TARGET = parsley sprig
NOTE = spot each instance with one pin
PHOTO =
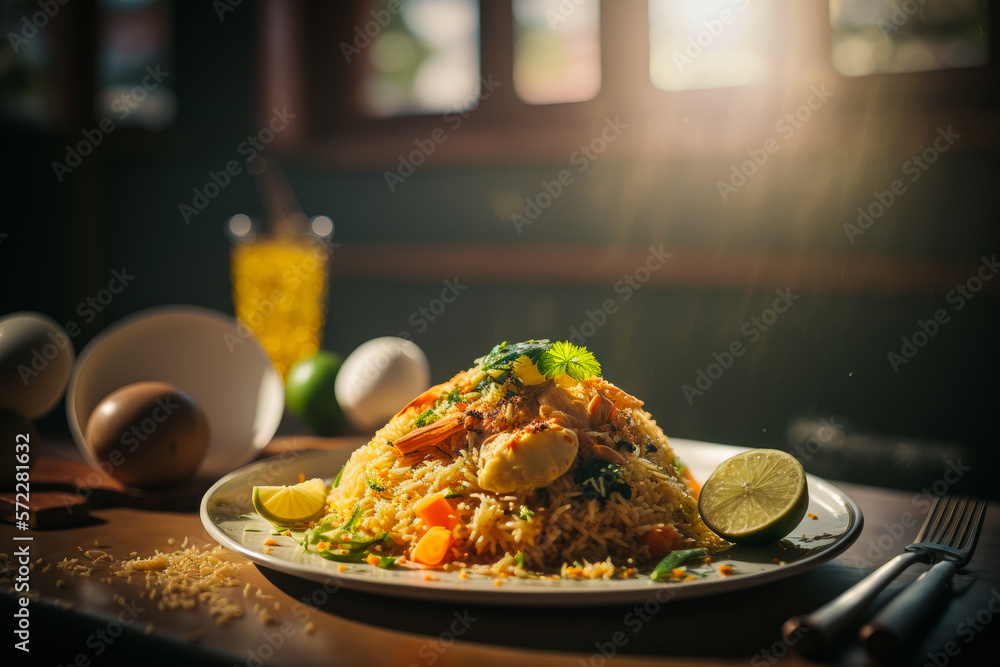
(564, 358)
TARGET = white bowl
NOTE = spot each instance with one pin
(205, 353)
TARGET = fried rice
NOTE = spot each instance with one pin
(541, 474)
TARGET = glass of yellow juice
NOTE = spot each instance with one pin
(280, 291)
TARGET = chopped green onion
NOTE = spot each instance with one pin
(674, 559)
(680, 466)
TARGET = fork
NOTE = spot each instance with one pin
(951, 544)
(814, 633)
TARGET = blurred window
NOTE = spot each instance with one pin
(709, 43)
(379, 73)
(892, 36)
(25, 83)
(424, 58)
(557, 50)
(135, 83)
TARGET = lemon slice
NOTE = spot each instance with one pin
(756, 497)
(527, 371)
(290, 505)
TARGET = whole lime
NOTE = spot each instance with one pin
(309, 392)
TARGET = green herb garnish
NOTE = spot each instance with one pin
(343, 544)
(350, 551)
(502, 357)
(674, 559)
(564, 358)
(354, 520)
(680, 466)
(598, 479)
(525, 514)
(426, 417)
(551, 359)
(373, 484)
(340, 474)
(435, 412)
(519, 559)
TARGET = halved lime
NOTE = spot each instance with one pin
(756, 497)
(291, 505)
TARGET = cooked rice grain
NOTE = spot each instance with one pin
(566, 528)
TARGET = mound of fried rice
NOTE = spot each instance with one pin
(593, 520)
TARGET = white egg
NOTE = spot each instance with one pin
(36, 357)
(378, 379)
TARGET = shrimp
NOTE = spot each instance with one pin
(431, 396)
(440, 440)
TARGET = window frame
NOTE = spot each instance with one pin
(303, 67)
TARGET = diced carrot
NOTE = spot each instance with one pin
(341, 568)
(322, 546)
(435, 510)
(302, 477)
(433, 546)
(267, 551)
(373, 560)
(270, 543)
(661, 540)
(725, 570)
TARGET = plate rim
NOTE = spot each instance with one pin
(540, 596)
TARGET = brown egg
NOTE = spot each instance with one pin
(19, 446)
(149, 433)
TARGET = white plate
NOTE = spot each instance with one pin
(208, 354)
(227, 513)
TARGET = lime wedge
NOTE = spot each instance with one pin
(756, 497)
(290, 505)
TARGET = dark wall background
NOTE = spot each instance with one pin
(824, 359)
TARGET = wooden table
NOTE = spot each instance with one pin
(77, 620)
